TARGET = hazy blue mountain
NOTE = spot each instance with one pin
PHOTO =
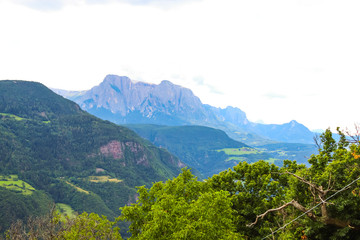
(123, 101)
(292, 132)
(288, 132)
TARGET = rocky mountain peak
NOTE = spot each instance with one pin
(121, 100)
(125, 98)
(166, 82)
(116, 82)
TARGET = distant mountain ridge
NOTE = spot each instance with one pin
(123, 101)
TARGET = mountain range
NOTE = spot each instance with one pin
(123, 101)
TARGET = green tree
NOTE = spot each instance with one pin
(51, 227)
(254, 201)
(90, 226)
(326, 193)
(253, 188)
(181, 208)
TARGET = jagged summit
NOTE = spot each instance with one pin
(122, 100)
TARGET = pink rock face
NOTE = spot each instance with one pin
(114, 149)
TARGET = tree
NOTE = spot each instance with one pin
(252, 189)
(327, 193)
(181, 208)
(84, 226)
(90, 226)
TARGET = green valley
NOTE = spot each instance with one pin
(205, 149)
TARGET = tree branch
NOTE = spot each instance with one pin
(293, 202)
(319, 189)
(317, 141)
(324, 218)
(355, 137)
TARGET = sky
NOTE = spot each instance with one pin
(277, 60)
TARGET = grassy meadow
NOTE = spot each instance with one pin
(12, 183)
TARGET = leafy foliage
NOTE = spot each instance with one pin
(267, 197)
(253, 201)
(182, 208)
(91, 226)
(84, 226)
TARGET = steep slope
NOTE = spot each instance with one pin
(123, 101)
(199, 147)
(76, 158)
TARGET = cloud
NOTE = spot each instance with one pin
(158, 3)
(55, 5)
(201, 82)
(198, 80)
(272, 95)
(43, 5)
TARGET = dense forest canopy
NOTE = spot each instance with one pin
(258, 200)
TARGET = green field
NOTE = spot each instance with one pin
(65, 211)
(103, 179)
(17, 118)
(77, 188)
(12, 116)
(246, 154)
(12, 183)
(238, 151)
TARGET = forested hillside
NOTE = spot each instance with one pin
(69, 156)
(205, 149)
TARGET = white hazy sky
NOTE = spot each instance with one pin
(276, 60)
